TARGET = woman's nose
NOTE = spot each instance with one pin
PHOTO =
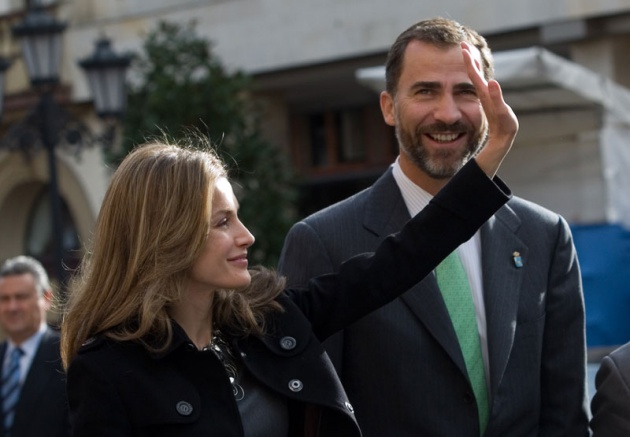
(245, 238)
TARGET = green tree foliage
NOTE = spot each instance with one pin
(178, 85)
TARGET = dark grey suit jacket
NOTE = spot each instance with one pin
(611, 403)
(42, 410)
(401, 365)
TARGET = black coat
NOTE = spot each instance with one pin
(119, 389)
(42, 409)
(611, 402)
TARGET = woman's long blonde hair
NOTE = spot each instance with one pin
(151, 227)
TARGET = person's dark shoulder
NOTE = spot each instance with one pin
(103, 350)
(621, 358)
(529, 210)
(52, 333)
(353, 208)
(539, 227)
(342, 210)
(50, 343)
(531, 216)
(92, 345)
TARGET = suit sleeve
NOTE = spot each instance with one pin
(303, 256)
(368, 281)
(611, 403)
(564, 400)
(96, 409)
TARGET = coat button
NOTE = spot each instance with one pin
(349, 406)
(287, 343)
(295, 385)
(184, 408)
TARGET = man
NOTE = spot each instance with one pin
(406, 367)
(33, 392)
(611, 402)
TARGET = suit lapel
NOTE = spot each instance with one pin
(387, 213)
(502, 280)
(38, 375)
(426, 302)
(3, 350)
(385, 209)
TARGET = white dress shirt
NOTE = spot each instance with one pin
(469, 252)
(29, 347)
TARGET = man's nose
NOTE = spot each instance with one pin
(11, 304)
(447, 110)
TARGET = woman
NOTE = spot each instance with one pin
(176, 341)
(167, 334)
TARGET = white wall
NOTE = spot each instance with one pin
(257, 35)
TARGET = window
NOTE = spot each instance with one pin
(339, 152)
(351, 139)
(336, 137)
(39, 235)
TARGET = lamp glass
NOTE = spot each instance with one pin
(108, 89)
(42, 54)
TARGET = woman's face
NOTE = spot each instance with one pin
(222, 263)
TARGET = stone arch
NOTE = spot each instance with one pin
(21, 181)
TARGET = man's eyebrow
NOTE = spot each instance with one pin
(426, 85)
(465, 86)
(434, 85)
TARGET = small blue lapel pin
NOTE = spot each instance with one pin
(518, 261)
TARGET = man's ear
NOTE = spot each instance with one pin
(48, 299)
(387, 108)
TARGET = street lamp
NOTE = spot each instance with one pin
(4, 65)
(49, 125)
(40, 37)
(106, 74)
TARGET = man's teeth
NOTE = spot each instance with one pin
(444, 138)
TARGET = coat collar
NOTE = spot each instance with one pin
(180, 340)
(289, 332)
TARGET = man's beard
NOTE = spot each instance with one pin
(442, 164)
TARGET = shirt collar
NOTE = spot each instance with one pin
(415, 197)
(30, 345)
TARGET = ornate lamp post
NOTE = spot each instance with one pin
(4, 64)
(49, 125)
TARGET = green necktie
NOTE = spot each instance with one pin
(453, 283)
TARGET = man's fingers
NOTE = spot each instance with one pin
(506, 120)
(473, 66)
(502, 122)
